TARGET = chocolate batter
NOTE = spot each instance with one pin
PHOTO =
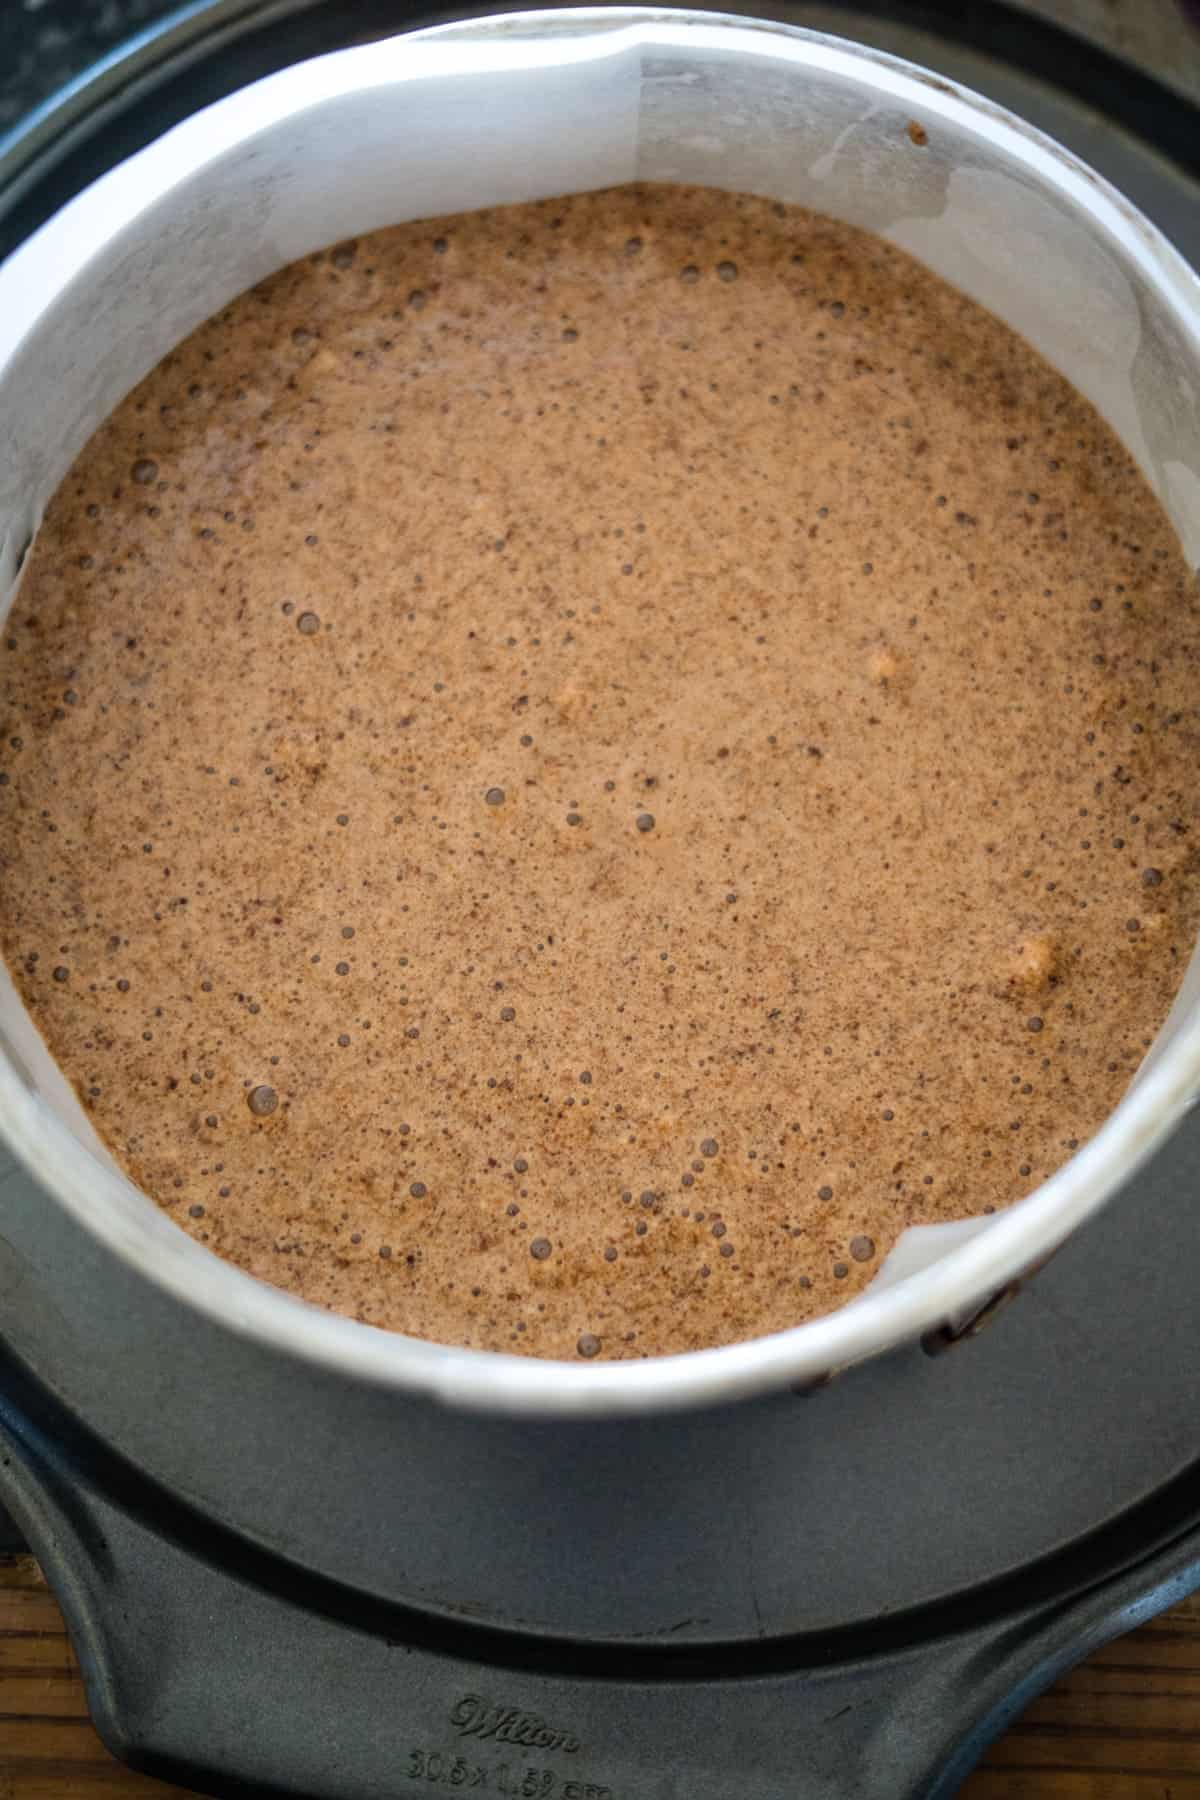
(568, 772)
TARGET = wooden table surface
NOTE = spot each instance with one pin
(1123, 1726)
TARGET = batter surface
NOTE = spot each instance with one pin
(568, 772)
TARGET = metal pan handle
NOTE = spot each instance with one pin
(214, 1667)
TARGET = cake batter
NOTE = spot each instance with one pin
(568, 772)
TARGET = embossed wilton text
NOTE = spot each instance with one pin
(473, 1717)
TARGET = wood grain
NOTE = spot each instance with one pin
(1125, 1725)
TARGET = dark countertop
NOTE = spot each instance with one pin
(44, 43)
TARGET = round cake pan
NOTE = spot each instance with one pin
(514, 108)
